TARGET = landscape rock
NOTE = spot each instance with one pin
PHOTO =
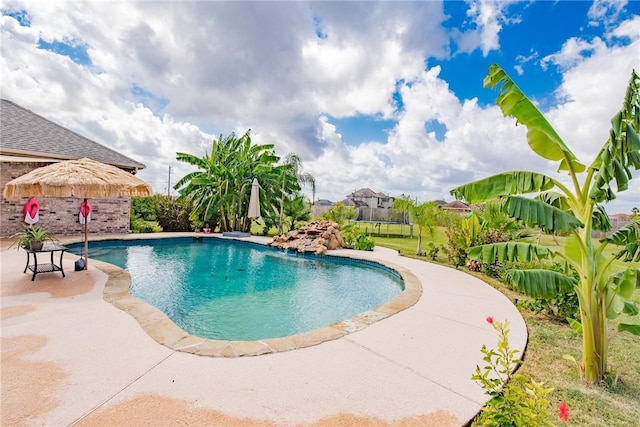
(317, 237)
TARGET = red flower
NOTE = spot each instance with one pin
(564, 411)
(490, 320)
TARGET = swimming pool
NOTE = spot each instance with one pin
(230, 290)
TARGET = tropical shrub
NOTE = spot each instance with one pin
(341, 214)
(139, 225)
(353, 237)
(359, 240)
(219, 190)
(432, 250)
(142, 207)
(516, 400)
(575, 209)
(461, 235)
(172, 214)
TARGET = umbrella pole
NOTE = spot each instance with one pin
(86, 242)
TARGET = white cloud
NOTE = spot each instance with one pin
(206, 68)
(606, 12)
(487, 19)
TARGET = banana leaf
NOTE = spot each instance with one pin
(621, 152)
(629, 237)
(541, 283)
(509, 251)
(534, 212)
(541, 136)
(503, 184)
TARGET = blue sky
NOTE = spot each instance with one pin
(385, 95)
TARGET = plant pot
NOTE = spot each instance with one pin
(35, 245)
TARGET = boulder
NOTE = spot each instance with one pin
(317, 237)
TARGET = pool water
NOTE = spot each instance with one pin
(230, 290)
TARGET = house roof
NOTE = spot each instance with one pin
(323, 202)
(27, 136)
(456, 204)
(367, 193)
(354, 202)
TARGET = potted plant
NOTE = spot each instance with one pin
(197, 225)
(33, 237)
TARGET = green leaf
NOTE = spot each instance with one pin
(630, 308)
(626, 282)
(541, 283)
(503, 184)
(534, 212)
(555, 199)
(629, 237)
(634, 329)
(575, 325)
(621, 152)
(541, 136)
(615, 304)
(509, 251)
(599, 219)
(570, 357)
(572, 248)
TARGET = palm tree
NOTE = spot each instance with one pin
(603, 295)
(218, 188)
(292, 167)
(425, 215)
(297, 209)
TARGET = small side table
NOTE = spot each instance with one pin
(44, 268)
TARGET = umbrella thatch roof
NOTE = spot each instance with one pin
(83, 178)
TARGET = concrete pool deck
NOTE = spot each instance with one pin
(71, 358)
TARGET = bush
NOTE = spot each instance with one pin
(516, 399)
(171, 214)
(142, 208)
(432, 250)
(139, 225)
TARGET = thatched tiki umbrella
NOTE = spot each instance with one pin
(84, 179)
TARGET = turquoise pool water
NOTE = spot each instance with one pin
(230, 290)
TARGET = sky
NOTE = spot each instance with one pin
(384, 95)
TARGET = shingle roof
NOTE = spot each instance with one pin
(367, 193)
(27, 134)
(456, 204)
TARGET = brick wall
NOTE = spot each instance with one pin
(60, 214)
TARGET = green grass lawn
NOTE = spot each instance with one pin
(616, 403)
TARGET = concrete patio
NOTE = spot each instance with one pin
(71, 358)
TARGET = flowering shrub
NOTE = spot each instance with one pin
(563, 413)
(516, 399)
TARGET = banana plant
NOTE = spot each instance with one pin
(576, 209)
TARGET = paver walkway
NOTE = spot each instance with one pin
(70, 358)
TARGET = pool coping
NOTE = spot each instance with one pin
(163, 330)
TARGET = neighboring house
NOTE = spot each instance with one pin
(461, 208)
(321, 206)
(29, 141)
(370, 205)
